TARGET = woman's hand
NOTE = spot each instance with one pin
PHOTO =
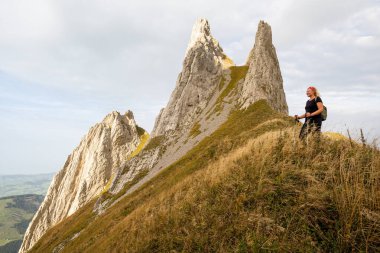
(307, 114)
(296, 116)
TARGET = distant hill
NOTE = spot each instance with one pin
(15, 215)
(20, 197)
(11, 185)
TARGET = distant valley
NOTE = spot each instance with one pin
(20, 197)
(15, 215)
(11, 185)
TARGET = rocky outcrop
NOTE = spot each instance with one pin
(86, 172)
(207, 89)
(263, 80)
(200, 75)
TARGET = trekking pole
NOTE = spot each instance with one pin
(296, 121)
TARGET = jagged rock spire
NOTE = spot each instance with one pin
(200, 75)
(85, 173)
(264, 80)
(108, 144)
(200, 33)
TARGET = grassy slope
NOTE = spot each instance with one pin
(242, 189)
(15, 214)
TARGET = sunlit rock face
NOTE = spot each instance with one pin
(86, 172)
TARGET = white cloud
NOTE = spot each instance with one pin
(65, 64)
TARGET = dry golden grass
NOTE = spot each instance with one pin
(251, 186)
(273, 193)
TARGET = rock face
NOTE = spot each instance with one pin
(198, 84)
(207, 89)
(86, 172)
(201, 74)
(264, 80)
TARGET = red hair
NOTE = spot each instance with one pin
(314, 90)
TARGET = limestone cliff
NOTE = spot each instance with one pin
(207, 89)
(86, 172)
(200, 75)
(205, 70)
(264, 80)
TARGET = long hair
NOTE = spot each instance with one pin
(315, 90)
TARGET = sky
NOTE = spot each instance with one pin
(66, 64)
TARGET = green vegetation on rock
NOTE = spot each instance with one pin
(237, 73)
(195, 130)
(154, 142)
(140, 131)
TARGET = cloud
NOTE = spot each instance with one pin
(65, 64)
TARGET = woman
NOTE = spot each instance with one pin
(313, 118)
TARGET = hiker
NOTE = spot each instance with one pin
(313, 116)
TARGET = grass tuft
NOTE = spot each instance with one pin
(195, 130)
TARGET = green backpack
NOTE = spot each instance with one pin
(324, 112)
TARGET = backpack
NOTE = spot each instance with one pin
(324, 112)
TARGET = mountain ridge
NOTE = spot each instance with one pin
(250, 186)
(86, 171)
(207, 90)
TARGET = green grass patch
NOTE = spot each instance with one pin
(155, 142)
(195, 130)
(237, 73)
(15, 215)
(140, 131)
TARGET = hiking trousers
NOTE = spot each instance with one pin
(311, 125)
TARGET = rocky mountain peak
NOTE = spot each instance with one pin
(201, 33)
(201, 37)
(208, 88)
(86, 172)
(263, 39)
(201, 29)
(263, 79)
(116, 117)
(201, 73)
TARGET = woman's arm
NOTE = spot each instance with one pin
(320, 109)
(300, 116)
